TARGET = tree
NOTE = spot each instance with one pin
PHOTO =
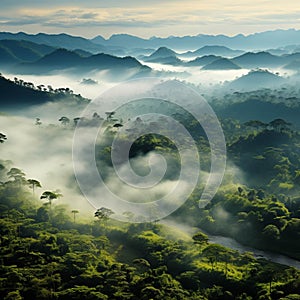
(3, 138)
(256, 124)
(74, 212)
(279, 125)
(103, 213)
(33, 184)
(17, 175)
(50, 196)
(38, 121)
(271, 232)
(64, 121)
(200, 238)
(214, 252)
(109, 115)
(76, 120)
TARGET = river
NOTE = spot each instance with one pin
(233, 244)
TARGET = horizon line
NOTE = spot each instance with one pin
(152, 37)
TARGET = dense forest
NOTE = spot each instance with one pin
(57, 242)
(51, 251)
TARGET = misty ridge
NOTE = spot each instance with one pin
(96, 121)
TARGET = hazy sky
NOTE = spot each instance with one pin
(149, 17)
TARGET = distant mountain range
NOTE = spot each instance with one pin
(249, 60)
(59, 41)
(28, 57)
(221, 64)
(202, 61)
(256, 41)
(124, 44)
(213, 50)
(13, 51)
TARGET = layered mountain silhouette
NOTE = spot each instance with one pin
(213, 50)
(258, 60)
(13, 51)
(162, 55)
(202, 61)
(221, 64)
(256, 41)
(57, 40)
(62, 59)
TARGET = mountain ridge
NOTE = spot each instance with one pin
(256, 41)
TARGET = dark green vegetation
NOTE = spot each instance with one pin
(258, 203)
(47, 254)
(21, 94)
(52, 251)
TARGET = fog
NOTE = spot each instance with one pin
(72, 81)
(43, 153)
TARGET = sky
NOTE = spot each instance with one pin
(147, 18)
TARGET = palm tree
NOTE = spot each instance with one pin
(33, 184)
(74, 212)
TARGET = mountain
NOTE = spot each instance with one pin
(161, 52)
(19, 94)
(294, 65)
(202, 61)
(213, 50)
(255, 109)
(13, 51)
(258, 60)
(56, 40)
(83, 53)
(125, 40)
(257, 79)
(221, 64)
(62, 59)
(169, 60)
(15, 94)
(256, 41)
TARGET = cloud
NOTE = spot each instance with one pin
(150, 18)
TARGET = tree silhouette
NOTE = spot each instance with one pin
(17, 175)
(64, 120)
(3, 138)
(50, 196)
(200, 238)
(109, 115)
(33, 184)
(103, 213)
(74, 212)
(38, 121)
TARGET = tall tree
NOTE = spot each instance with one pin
(50, 196)
(74, 212)
(33, 184)
(17, 175)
